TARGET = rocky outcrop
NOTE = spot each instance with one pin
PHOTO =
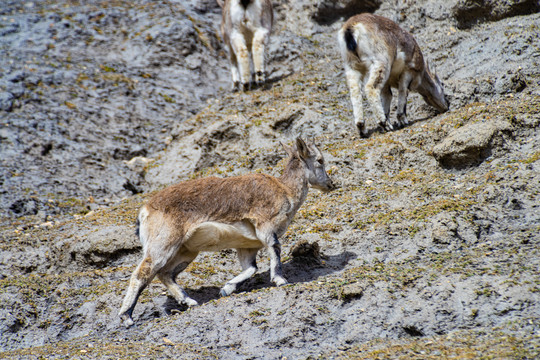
(471, 144)
(471, 12)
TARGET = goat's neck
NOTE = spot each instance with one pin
(427, 85)
(295, 178)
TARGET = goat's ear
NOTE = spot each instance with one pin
(313, 148)
(302, 148)
(288, 149)
(431, 69)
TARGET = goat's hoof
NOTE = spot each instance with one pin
(227, 290)
(126, 320)
(362, 131)
(236, 86)
(387, 126)
(280, 281)
(402, 121)
(190, 302)
(260, 78)
(246, 86)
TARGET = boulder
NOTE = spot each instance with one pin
(471, 144)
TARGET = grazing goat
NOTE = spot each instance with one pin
(380, 55)
(246, 27)
(245, 212)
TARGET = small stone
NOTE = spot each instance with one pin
(352, 291)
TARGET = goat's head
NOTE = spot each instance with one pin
(435, 97)
(313, 158)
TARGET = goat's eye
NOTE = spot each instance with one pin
(320, 161)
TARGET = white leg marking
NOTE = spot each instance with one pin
(354, 80)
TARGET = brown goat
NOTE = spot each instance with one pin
(246, 213)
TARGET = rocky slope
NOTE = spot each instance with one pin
(428, 249)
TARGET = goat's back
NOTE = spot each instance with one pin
(367, 36)
(221, 199)
(250, 14)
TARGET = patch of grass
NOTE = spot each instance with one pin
(464, 344)
(202, 270)
(415, 214)
(92, 348)
(533, 158)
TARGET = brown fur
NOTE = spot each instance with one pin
(193, 202)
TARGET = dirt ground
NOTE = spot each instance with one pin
(429, 248)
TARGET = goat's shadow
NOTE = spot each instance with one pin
(378, 129)
(295, 271)
(270, 81)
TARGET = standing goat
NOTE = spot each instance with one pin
(245, 212)
(380, 55)
(246, 27)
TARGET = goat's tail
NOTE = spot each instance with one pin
(142, 227)
(350, 41)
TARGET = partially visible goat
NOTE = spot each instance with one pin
(379, 55)
(245, 212)
(246, 27)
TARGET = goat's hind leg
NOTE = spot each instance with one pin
(260, 38)
(375, 84)
(141, 277)
(248, 261)
(234, 70)
(169, 273)
(354, 81)
(239, 46)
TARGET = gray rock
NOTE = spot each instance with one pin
(409, 248)
(6, 101)
(471, 144)
(471, 12)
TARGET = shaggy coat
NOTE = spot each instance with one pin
(380, 55)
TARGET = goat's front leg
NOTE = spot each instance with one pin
(234, 70)
(260, 38)
(386, 98)
(404, 83)
(238, 43)
(248, 261)
(271, 241)
(354, 81)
